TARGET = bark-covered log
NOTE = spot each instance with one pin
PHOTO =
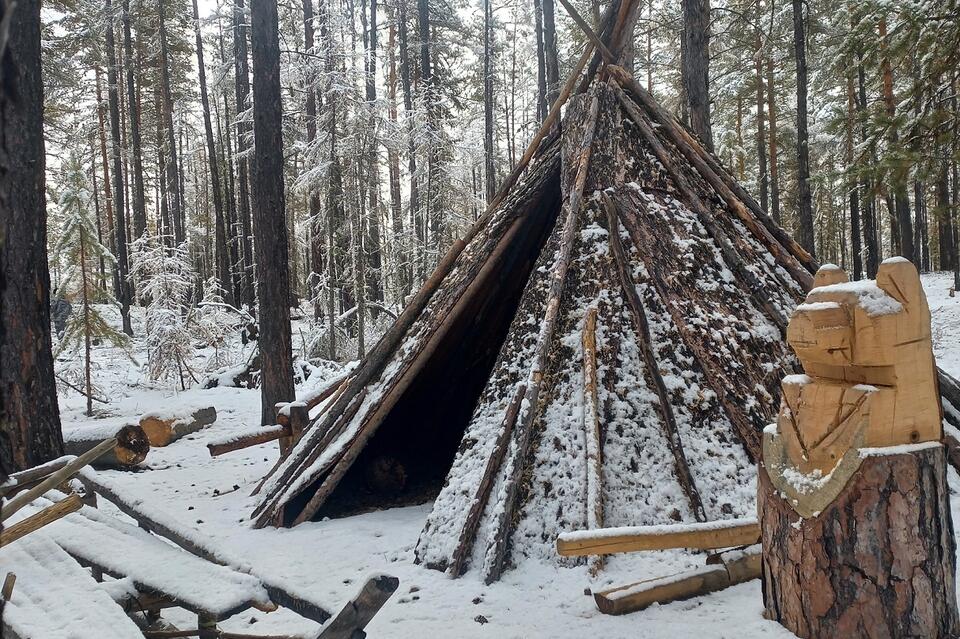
(132, 445)
(879, 561)
(165, 427)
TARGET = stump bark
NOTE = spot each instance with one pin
(878, 561)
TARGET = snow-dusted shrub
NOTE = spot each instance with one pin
(165, 281)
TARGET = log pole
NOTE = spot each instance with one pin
(38, 520)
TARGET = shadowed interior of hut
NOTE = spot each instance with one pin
(407, 459)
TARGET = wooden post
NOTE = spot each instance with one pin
(207, 625)
(852, 494)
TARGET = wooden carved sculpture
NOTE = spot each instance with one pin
(852, 494)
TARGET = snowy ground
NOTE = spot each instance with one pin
(330, 559)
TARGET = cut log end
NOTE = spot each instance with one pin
(132, 445)
(162, 431)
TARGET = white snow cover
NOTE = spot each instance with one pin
(818, 306)
(664, 529)
(125, 550)
(55, 598)
(871, 297)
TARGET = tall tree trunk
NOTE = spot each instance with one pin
(139, 209)
(223, 257)
(276, 351)
(433, 213)
(313, 197)
(174, 204)
(870, 210)
(774, 164)
(416, 212)
(542, 107)
(762, 177)
(85, 299)
(852, 186)
(120, 226)
(898, 176)
(107, 192)
(489, 173)
(550, 56)
(400, 257)
(696, 67)
(805, 198)
(29, 414)
(96, 207)
(244, 173)
(373, 255)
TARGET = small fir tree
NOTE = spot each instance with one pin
(79, 247)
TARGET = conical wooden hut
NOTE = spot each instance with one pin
(603, 348)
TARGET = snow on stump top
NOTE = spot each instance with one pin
(853, 499)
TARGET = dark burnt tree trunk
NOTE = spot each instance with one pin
(174, 205)
(244, 174)
(276, 352)
(29, 414)
(120, 219)
(401, 259)
(550, 56)
(805, 203)
(489, 171)
(696, 67)
(879, 561)
(220, 229)
(139, 207)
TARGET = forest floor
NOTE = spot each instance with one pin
(328, 560)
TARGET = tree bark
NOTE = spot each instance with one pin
(869, 210)
(270, 220)
(172, 167)
(774, 164)
(416, 214)
(29, 413)
(762, 177)
(139, 210)
(244, 174)
(542, 107)
(313, 197)
(120, 225)
(401, 258)
(550, 56)
(489, 173)
(855, 235)
(696, 67)
(220, 232)
(805, 203)
(879, 561)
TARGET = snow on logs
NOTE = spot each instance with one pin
(165, 427)
(701, 536)
(852, 493)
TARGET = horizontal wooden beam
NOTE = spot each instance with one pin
(264, 435)
(693, 583)
(702, 536)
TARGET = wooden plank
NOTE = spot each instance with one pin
(357, 613)
(36, 521)
(262, 436)
(702, 536)
(591, 431)
(693, 583)
(8, 583)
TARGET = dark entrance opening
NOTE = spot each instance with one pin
(407, 459)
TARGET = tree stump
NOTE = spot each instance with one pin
(878, 561)
(853, 500)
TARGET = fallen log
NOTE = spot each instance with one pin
(710, 535)
(591, 431)
(247, 438)
(131, 449)
(25, 478)
(38, 520)
(69, 470)
(731, 569)
(165, 427)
